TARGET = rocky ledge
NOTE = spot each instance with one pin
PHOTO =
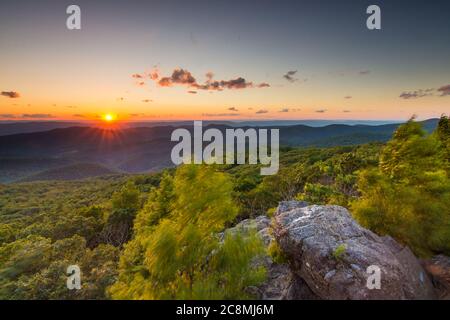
(328, 255)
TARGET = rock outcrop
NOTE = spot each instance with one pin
(328, 255)
(439, 269)
(331, 254)
(281, 282)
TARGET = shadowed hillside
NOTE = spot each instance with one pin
(147, 149)
(71, 172)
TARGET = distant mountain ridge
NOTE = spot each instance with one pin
(10, 128)
(16, 127)
(145, 149)
(76, 171)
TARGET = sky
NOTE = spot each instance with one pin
(255, 60)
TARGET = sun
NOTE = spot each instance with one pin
(109, 117)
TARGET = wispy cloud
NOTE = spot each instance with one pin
(285, 110)
(420, 93)
(37, 115)
(183, 77)
(348, 97)
(135, 115)
(289, 76)
(444, 90)
(10, 94)
(321, 111)
(8, 116)
(233, 109)
(220, 114)
(416, 94)
(364, 72)
(262, 111)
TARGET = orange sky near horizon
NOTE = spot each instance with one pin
(294, 61)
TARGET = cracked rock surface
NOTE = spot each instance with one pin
(281, 282)
(331, 253)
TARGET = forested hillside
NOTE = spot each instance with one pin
(159, 235)
(147, 149)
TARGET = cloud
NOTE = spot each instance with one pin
(209, 75)
(154, 74)
(165, 82)
(364, 72)
(285, 110)
(10, 94)
(238, 83)
(444, 90)
(192, 92)
(185, 78)
(289, 76)
(77, 115)
(8, 116)
(346, 111)
(147, 100)
(220, 114)
(179, 76)
(37, 115)
(137, 76)
(136, 114)
(262, 111)
(348, 97)
(233, 109)
(321, 110)
(416, 94)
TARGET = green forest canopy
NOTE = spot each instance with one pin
(158, 235)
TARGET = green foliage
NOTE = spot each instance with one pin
(126, 199)
(35, 268)
(318, 194)
(443, 134)
(326, 176)
(177, 253)
(167, 227)
(339, 251)
(276, 253)
(125, 204)
(408, 195)
(47, 226)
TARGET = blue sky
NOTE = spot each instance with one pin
(342, 69)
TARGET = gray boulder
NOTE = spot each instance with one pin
(330, 252)
(281, 283)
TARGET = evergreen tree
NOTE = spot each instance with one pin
(408, 195)
(177, 252)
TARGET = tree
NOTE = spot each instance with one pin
(443, 134)
(125, 204)
(408, 195)
(177, 252)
